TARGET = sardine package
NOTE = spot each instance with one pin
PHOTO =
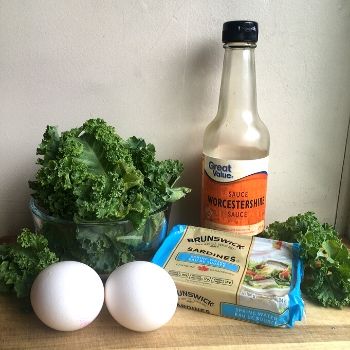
(248, 278)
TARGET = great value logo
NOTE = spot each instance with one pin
(221, 171)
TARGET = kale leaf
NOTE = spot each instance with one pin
(326, 259)
(22, 261)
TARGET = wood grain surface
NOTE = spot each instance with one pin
(322, 329)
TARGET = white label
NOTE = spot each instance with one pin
(222, 170)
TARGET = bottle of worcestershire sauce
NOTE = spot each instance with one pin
(236, 143)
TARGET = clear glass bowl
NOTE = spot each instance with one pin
(102, 245)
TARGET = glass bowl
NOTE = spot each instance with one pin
(102, 245)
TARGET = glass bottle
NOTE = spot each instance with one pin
(236, 143)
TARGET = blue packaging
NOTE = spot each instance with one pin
(248, 278)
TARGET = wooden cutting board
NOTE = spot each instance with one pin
(322, 329)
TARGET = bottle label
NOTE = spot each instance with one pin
(234, 195)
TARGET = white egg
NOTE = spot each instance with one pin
(67, 295)
(141, 296)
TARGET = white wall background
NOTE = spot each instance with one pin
(152, 69)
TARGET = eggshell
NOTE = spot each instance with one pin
(141, 296)
(67, 295)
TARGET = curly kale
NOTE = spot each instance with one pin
(22, 261)
(97, 179)
(326, 259)
(91, 174)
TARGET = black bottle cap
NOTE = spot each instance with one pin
(240, 31)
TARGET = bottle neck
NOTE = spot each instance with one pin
(238, 83)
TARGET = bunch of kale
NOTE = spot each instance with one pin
(92, 174)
